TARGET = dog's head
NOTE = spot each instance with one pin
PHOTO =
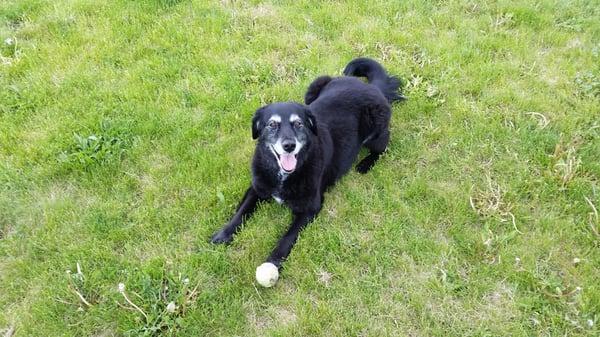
(286, 130)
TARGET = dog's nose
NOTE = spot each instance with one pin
(289, 145)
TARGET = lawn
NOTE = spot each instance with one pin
(125, 142)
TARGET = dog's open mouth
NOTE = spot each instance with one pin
(287, 161)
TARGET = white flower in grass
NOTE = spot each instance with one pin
(9, 41)
(171, 307)
(590, 323)
(186, 281)
(121, 287)
(576, 261)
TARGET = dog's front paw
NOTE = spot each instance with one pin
(221, 237)
(364, 166)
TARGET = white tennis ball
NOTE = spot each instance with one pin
(267, 274)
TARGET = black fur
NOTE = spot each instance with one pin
(374, 72)
(341, 115)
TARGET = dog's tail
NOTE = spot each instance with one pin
(376, 75)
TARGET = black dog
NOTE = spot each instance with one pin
(304, 149)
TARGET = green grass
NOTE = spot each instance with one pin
(125, 143)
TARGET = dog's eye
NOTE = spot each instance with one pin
(298, 124)
(273, 124)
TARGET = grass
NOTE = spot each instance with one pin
(125, 142)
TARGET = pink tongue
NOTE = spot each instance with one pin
(288, 161)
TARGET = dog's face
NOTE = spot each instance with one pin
(285, 130)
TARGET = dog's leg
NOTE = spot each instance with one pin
(377, 145)
(245, 209)
(286, 243)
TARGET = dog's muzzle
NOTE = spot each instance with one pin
(286, 156)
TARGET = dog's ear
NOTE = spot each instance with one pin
(311, 122)
(256, 123)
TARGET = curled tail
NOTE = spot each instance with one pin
(376, 75)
